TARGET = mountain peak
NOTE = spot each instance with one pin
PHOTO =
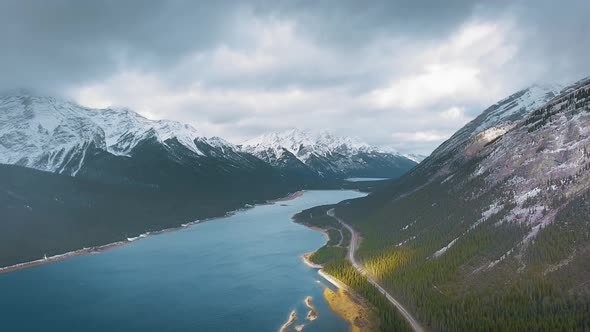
(304, 143)
(326, 153)
(46, 132)
(510, 109)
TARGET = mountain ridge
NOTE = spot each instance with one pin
(43, 132)
(55, 135)
(327, 154)
(493, 225)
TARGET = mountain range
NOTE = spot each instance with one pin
(59, 136)
(62, 137)
(75, 177)
(491, 231)
(326, 155)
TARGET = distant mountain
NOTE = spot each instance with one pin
(111, 174)
(494, 224)
(327, 155)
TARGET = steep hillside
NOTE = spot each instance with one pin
(499, 115)
(326, 155)
(491, 231)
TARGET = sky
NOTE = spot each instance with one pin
(400, 74)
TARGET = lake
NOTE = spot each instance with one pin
(239, 273)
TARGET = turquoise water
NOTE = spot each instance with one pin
(240, 273)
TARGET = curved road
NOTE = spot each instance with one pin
(351, 251)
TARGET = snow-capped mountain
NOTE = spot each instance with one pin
(508, 110)
(327, 155)
(531, 161)
(502, 203)
(501, 115)
(306, 143)
(54, 135)
(501, 149)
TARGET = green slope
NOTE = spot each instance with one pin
(512, 213)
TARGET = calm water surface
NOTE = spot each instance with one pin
(241, 273)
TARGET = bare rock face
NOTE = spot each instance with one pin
(514, 169)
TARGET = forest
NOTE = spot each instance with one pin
(458, 271)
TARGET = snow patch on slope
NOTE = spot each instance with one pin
(530, 100)
(444, 249)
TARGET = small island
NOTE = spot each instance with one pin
(290, 321)
(313, 312)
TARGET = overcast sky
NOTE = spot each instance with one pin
(403, 74)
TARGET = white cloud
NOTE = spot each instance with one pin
(270, 77)
(237, 68)
(427, 88)
(457, 68)
(453, 114)
(420, 136)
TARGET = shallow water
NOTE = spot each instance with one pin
(240, 273)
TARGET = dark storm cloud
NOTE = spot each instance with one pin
(230, 65)
(56, 43)
(349, 23)
(59, 42)
(559, 37)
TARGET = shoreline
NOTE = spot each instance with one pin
(306, 261)
(355, 300)
(353, 309)
(101, 248)
(289, 197)
(344, 300)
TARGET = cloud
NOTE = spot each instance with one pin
(452, 114)
(395, 73)
(420, 136)
(454, 69)
(427, 88)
